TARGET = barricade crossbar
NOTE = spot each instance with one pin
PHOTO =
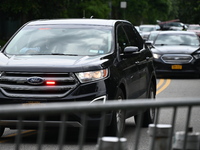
(64, 108)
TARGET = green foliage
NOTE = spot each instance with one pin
(147, 11)
(14, 7)
(2, 42)
(189, 11)
(52, 9)
(97, 9)
(137, 11)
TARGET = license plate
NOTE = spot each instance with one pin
(176, 66)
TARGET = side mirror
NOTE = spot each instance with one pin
(149, 44)
(131, 50)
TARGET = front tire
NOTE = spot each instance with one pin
(117, 125)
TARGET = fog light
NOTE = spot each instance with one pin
(99, 99)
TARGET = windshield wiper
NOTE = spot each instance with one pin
(183, 44)
(160, 44)
(64, 54)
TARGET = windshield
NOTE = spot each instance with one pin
(152, 36)
(61, 40)
(177, 39)
(147, 29)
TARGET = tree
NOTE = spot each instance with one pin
(189, 11)
(137, 11)
(147, 11)
(96, 8)
(16, 9)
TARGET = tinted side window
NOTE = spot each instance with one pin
(133, 37)
(122, 38)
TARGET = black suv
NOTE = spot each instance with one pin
(67, 60)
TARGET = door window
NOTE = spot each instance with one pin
(132, 36)
(122, 39)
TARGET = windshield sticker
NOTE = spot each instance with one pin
(29, 49)
(97, 51)
(101, 52)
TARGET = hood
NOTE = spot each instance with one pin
(174, 49)
(52, 63)
(196, 31)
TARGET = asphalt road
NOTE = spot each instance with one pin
(180, 87)
(176, 87)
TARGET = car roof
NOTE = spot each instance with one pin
(148, 25)
(103, 22)
(176, 32)
(194, 25)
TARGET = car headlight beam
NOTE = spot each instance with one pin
(156, 56)
(92, 75)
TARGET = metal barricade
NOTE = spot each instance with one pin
(163, 136)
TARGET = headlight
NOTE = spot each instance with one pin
(156, 56)
(197, 54)
(92, 75)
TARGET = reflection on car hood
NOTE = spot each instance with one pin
(174, 49)
(196, 31)
(51, 63)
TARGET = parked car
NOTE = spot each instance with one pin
(195, 28)
(177, 26)
(152, 36)
(146, 29)
(70, 60)
(176, 52)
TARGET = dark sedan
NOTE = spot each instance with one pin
(176, 52)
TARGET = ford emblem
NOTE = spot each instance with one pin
(35, 80)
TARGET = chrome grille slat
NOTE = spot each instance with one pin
(30, 95)
(24, 79)
(14, 84)
(177, 58)
(35, 88)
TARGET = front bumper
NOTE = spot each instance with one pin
(72, 119)
(193, 67)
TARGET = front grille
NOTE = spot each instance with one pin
(177, 59)
(15, 84)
